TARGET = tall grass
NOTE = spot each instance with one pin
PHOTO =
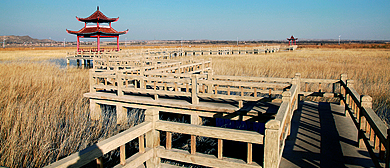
(44, 115)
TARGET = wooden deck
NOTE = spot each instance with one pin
(321, 136)
(296, 133)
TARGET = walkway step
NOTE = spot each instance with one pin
(321, 136)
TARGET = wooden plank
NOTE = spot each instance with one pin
(250, 78)
(306, 80)
(148, 102)
(159, 92)
(231, 97)
(212, 132)
(203, 159)
(245, 84)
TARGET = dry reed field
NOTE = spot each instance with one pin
(44, 116)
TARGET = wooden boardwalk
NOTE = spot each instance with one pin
(296, 133)
(321, 136)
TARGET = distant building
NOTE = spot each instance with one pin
(292, 40)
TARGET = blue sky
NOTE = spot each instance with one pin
(203, 19)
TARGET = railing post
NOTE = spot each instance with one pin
(121, 114)
(194, 89)
(343, 78)
(119, 82)
(298, 83)
(210, 67)
(95, 111)
(152, 137)
(210, 86)
(91, 81)
(388, 149)
(366, 102)
(350, 84)
(271, 144)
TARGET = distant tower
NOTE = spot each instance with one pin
(95, 30)
(292, 40)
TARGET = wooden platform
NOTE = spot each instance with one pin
(321, 136)
(206, 108)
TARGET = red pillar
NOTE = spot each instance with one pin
(98, 42)
(117, 43)
(78, 42)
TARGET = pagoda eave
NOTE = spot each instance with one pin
(100, 20)
(82, 32)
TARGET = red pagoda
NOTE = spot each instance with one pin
(97, 29)
(292, 40)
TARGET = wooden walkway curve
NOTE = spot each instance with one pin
(321, 136)
(297, 134)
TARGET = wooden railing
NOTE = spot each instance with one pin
(277, 130)
(153, 152)
(95, 152)
(170, 52)
(185, 84)
(373, 133)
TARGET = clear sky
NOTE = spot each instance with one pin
(203, 19)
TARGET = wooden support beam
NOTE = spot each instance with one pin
(270, 91)
(249, 153)
(193, 144)
(240, 103)
(194, 89)
(220, 148)
(95, 111)
(122, 151)
(168, 141)
(121, 114)
(387, 158)
(99, 162)
(141, 144)
(153, 136)
(196, 119)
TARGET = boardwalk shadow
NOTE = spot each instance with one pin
(314, 139)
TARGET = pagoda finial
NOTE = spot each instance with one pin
(97, 7)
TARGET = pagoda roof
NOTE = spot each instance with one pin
(97, 30)
(97, 16)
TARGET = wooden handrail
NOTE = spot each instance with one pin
(211, 132)
(372, 131)
(89, 154)
(278, 129)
